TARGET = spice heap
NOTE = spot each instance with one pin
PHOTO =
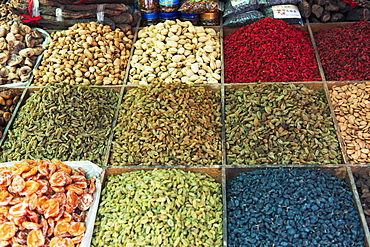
(279, 124)
(8, 101)
(168, 124)
(344, 52)
(362, 181)
(352, 109)
(159, 208)
(291, 207)
(44, 203)
(269, 51)
(62, 122)
(176, 51)
(86, 53)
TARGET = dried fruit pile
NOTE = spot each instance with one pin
(269, 50)
(291, 207)
(168, 124)
(279, 124)
(159, 208)
(62, 122)
(8, 101)
(44, 203)
(344, 52)
(362, 181)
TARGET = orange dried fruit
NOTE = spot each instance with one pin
(58, 189)
(75, 189)
(31, 225)
(44, 186)
(18, 210)
(81, 185)
(61, 242)
(33, 216)
(51, 224)
(22, 169)
(72, 199)
(44, 226)
(92, 186)
(7, 230)
(60, 214)
(78, 239)
(43, 168)
(60, 178)
(63, 167)
(30, 173)
(85, 201)
(18, 184)
(35, 238)
(41, 201)
(5, 197)
(17, 200)
(60, 197)
(61, 229)
(5, 178)
(4, 243)
(66, 218)
(30, 188)
(17, 220)
(76, 228)
(78, 178)
(51, 208)
(32, 201)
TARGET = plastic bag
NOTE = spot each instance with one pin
(236, 6)
(243, 18)
(268, 3)
(287, 13)
(200, 6)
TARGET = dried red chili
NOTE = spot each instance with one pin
(345, 52)
(269, 51)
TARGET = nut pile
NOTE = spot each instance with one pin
(168, 124)
(362, 181)
(6, 14)
(87, 54)
(19, 48)
(62, 122)
(279, 124)
(291, 207)
(159, 208)
(8, 101)
(176, 51)
(44, 203)
(352, 110)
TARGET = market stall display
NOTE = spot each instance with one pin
(176, 51)
(46, 203)
(86, 53)
(9, 99)
(62, 122)
(344, 51)
(352, 111)
(168, 124)
(260, 53)
(160, 208)
(292, 207)
(20, 47)
(279, 124)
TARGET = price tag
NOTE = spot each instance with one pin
(100, 13)
(286, 11)
(59, 14)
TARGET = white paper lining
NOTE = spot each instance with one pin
(90, 170)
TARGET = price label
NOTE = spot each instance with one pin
(286, 11)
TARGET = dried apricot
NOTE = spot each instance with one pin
(44, 226)
(66, 218)
(22, 169)
(41, 201)
(58, 189)
(78, 178)
(78, 239)
(17, 220)
(61, 229)
(72, 199)
(5, 197)
(44, 186)
(32, 216)
(32, 201)
(76, 228)
(43, 168)
(35, 238)
(60, 178)
(85, 201)
(30, 173)
(5, 178)
(51, 224)
(63, 167)
(75, 189)
(31, 225)
(51, 208)
(4, 243)
(16, 200)
(18, 184)
(30, 188)
(61, 242)
(18, 210)
(92, 186)
(7, 230)
(60, 197)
